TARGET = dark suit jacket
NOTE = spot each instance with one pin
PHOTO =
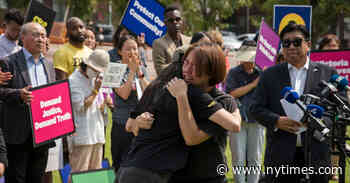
(266, 108)
(16, 122)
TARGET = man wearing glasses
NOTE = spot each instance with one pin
(164, 47)
(284, 147)
(30, 69)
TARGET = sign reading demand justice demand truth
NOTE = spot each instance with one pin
(145, 16)
(51, 112)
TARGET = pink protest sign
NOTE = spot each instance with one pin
(267, 46)
(338, 59)
(51, 112)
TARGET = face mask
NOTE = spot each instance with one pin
(91, 73)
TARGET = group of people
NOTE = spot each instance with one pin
(176, 129)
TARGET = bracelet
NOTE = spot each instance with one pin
(94, 91)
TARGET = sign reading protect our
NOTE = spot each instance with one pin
(283, 14)
(40, 14)
(145, 16)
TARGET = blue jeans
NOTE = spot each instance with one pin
(246, 148)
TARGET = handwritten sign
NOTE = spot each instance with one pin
(112, 78)
(51, 112)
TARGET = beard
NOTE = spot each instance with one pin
(78, 39)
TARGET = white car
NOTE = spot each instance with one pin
(231, 43)
(247, 36)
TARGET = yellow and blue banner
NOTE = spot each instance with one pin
(283, 14)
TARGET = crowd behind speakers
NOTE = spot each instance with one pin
(177, 131)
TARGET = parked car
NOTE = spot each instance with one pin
(104, 33)
(249, 36)
(231, 43)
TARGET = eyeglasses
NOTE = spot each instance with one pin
(178, 19)
(296, 42)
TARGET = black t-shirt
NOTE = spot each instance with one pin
(162, 148)
(204, 158)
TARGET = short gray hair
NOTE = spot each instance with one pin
(27, 26)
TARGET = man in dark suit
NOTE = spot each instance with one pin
(29, 69)
(284, 147)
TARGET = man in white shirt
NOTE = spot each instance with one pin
(85, 83)
(9, 40)
(283, 146)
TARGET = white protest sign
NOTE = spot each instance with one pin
(112, 78)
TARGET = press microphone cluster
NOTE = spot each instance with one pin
(311, 111)
(331, 90)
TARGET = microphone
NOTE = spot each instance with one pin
(328, 88)
(313, 99)
(321, 129)
(329, 91)
(314, 112)
(340, 82)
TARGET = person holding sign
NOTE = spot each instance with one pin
(284, 147)
(164, 47)
(87, 142)
(126, 98)
(29, 69)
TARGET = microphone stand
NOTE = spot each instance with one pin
(307, 148)
(307, 141)
(341, 125)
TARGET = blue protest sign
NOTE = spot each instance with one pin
(145, 16)
(283, 14)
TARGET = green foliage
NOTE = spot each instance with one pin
(82, 8)
(118, 10)
(19, 4)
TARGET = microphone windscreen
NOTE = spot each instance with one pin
(285, 90)
(292, 97)
(342, 84)
(334, 78)
(316, 110)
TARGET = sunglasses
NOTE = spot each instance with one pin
(178, 19)
(296, 42)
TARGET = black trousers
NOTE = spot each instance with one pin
(120, 144)
(25, 164)
(299, 161)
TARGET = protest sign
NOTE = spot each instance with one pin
(106, 175)
(51, 112)
(338, 59)
(145, 17)
(283, 14)
(267, 46)
(40, 14)
(112, 78)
